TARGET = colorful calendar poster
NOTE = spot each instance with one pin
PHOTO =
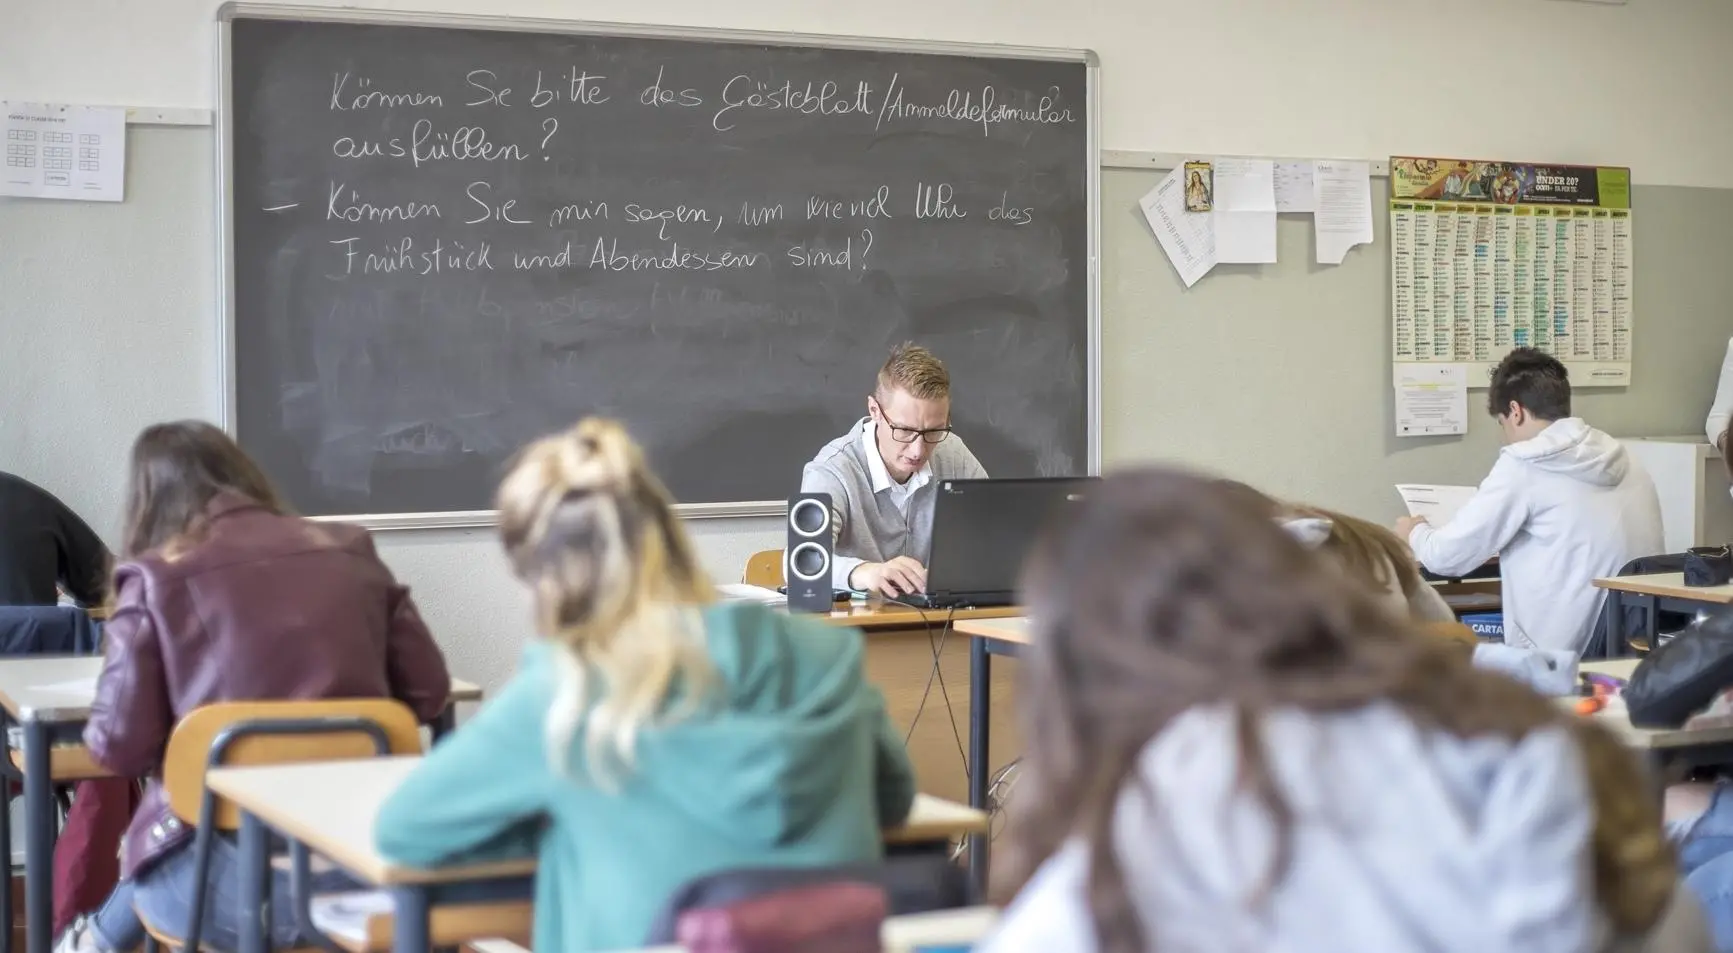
(1490, 256)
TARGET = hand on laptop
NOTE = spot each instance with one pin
(898, 576)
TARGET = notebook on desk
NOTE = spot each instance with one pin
(982, 532)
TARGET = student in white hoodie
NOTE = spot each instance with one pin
(1721, 411)
(1231, 746)
(1564, 505)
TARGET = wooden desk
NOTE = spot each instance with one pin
(331, 806)
(1002, 636)
(49, 698)
(901, 644)
(959, 928)
(1013, 630)
(1654, 594)
(1664, 741)
(61, 688)
(1668, 585)
(1467, 603)
(872, 618)
(936, 819)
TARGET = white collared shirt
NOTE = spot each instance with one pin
(900, 493)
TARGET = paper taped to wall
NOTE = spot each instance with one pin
(64, 152)
(1431, 399)
(1245, 211)
(1294, 187)
(1343, 218)
(1188, 238)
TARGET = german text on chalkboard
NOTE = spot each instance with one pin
(446, 241)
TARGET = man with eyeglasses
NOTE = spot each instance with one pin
(882, 476)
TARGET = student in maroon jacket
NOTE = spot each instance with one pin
(222, 595)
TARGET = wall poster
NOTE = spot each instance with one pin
(1490, 256)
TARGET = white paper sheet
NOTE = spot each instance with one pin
(1245, 185)
(64, 152)
(1431, 399)
(345, 915)
(1294, 187)
(1245, 211)
(1188, 238)
(76, 686)
(740, 592)
(1438, 503)
(1342, 191)
(1245, 238)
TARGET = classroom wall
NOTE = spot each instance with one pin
(1278, 375)
(1552, 80)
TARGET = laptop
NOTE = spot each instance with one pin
(982, 532)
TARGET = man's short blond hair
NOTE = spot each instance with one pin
(914, 369)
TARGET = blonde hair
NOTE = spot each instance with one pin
(914, 369)
(617, 588)
(1370, 553)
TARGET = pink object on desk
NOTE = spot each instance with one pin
(824, 918)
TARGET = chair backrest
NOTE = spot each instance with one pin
(913, 884)
(323, 730)
(1598, 646)
(764, 569)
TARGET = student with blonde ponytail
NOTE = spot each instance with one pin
(1371, 555)
(653, 734)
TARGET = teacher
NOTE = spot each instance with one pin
(883, 475)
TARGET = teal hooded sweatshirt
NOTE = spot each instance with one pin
(793, 762)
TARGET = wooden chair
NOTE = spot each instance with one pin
(261, 733)
(764, 569)
(67, 764)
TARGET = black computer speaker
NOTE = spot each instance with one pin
(806, 561)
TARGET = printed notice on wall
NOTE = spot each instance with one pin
(64, 152)
(1431, 400)
(1188, 238)
(1490, 256)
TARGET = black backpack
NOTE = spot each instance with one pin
(1683, 675)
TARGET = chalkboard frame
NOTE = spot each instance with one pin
(225, 126)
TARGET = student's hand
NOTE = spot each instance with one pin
(1405, 526)
(895, 577)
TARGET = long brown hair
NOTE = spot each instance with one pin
(1369, 552)
(177, 469)
(592, 532)
(1219, 605)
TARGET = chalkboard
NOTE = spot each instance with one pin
(446, 237)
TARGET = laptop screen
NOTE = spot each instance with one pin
(983, 530)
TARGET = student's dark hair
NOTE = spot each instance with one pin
(1534, 379)
(1164, 591)
(177, 469)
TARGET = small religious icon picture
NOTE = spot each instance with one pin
(1199, 188)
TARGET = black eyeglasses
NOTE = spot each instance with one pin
(910, 434)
